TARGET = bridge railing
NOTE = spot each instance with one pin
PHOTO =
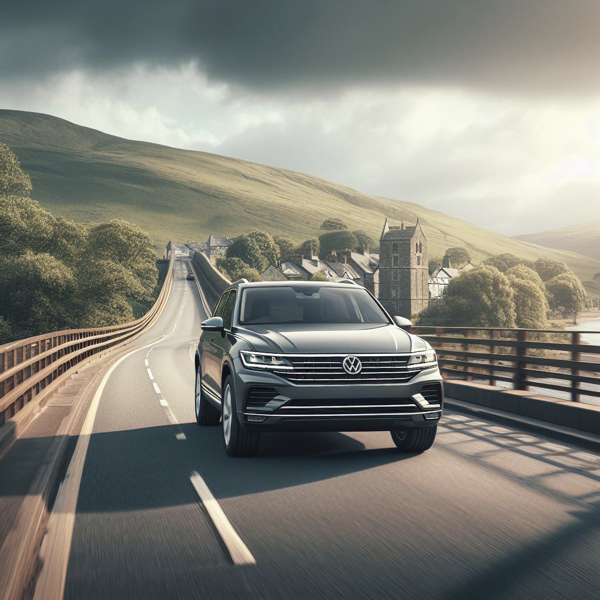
(35, 367)
(552, 360)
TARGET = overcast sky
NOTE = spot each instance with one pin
(488, 110)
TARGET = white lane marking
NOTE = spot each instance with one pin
(240, 555)
(163, 402)
(150, 374)
(146, 362)
(156, 388)
(180, 436)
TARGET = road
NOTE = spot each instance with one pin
(489, 512)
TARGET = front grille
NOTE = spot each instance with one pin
(311, 370)
(432, 392)
(259, 396)
(355, 406)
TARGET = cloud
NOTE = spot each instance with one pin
(533, 47)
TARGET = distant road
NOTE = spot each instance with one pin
(490, 512)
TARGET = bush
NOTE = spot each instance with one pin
(333, 225)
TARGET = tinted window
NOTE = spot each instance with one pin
(220, 305)
(228, 311)
(309, 304)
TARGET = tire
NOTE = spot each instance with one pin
(206, 413)
(237, 440)
(417, 439)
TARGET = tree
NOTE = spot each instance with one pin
(309, 247)
(13, 180)
(457, 256)
(248, 250)
(232, 268)
(526, 274)
(567, 293)
(320, 276)
(337, 241)
(364, 240)
(482, 297)
(286, 245)
(504, 262)
(547, 268)
(333, 225)
(531, 306)
(433, 265)
(267, 246)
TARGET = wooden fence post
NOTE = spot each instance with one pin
(575, 357)
(494, 335)
(520, 378)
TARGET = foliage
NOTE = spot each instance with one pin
(337, 241)
(13, 180)
(320, 276)
(267, 246)
(531, 306)
(504, 262)
(333, 225)
(309, 247)
(364, 240)
(526, 274)
(548, 269)
(234, 268)
(251, 274)
(433, 265)
(248, 250)
(482, 297)
(56, 274)
(567, 293)
(286, 245)
(458, 256)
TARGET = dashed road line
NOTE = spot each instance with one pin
(156, 388)
(238, 551)
(150, 374)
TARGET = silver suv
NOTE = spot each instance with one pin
(313, 356)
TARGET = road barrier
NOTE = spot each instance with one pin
(214, 282)
(551, 360)
(35, 367)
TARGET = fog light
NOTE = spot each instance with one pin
(432, 416)
(255, 419)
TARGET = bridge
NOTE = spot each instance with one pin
(109, 489)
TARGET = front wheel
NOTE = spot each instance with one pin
(206, 413)
(238, 441)
(417, 439)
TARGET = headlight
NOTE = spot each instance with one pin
(426, 358)
(258, 360)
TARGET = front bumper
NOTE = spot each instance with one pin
(344, 407)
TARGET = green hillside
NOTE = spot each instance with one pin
(583, 239)
(89, 176)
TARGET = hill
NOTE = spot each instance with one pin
(89, 176)
(583, 239)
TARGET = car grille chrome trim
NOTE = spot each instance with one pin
(341, 415)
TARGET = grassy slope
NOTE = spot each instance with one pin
(89, 176)
(583, 239)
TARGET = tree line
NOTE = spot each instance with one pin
(508, 291)
(57, 274)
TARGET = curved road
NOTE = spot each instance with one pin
(490, 512)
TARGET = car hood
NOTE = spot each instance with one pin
(330, 339)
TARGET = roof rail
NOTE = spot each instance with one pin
(241, 280)
(351, 281)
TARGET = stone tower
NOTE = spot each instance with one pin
(403, 270)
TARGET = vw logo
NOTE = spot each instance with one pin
(352, 365)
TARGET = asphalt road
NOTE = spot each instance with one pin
(489, 512)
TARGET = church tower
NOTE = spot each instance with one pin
(403, 270)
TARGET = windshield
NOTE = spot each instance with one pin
(309, 304)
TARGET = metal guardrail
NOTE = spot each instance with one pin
(522, 358)
(34, 367)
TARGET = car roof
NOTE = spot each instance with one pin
(251, 284)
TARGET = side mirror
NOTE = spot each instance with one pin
(212, 324)
(403, 323)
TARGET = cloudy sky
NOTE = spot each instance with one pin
(488, 110)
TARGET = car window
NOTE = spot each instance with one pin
(309, 304)
(220, 305)
(228, 311)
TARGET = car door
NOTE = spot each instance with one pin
(222, 342)
(208, 350)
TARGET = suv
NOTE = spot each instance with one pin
(313, 356)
